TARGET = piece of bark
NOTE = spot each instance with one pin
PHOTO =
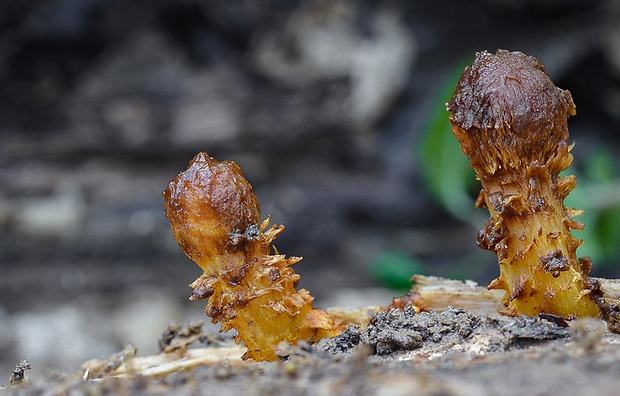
(435, 293)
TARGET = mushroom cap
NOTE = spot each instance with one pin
(506, 112)
(208, 205)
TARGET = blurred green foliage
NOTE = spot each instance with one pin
(445, 169)
(450, 180)
(393, 269)
(598, 194)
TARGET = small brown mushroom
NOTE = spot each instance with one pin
(511, 122)
(215, 218)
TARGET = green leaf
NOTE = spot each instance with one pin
(600, 167)
(445, 168)
(608, 233)
(393, 269)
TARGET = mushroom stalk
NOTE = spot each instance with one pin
(511, 122)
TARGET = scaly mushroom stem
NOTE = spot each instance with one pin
(511, 122)
(537, 252)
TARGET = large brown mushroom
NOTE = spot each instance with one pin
(511, 122)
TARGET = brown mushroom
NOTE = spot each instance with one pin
(511, 122)
(215, 218)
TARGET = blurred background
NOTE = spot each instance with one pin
(334, 110)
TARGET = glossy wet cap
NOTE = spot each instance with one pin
(206, 204)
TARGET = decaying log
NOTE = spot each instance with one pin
(428, 293)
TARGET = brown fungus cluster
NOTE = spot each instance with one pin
(215, 218)
(511, 122)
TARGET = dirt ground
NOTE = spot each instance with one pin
(401, 352)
